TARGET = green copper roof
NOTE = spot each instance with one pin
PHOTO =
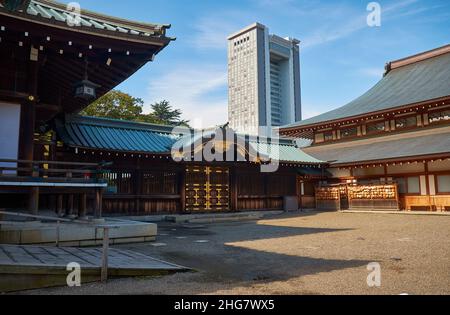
(286, 152)
(56, 12)
(115, 135)
(414, 83)
(132, 137)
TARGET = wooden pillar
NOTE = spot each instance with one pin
(69, 205)
(182, 189)
(59, 205)
(28, 114)
(428, 190)
(233, 189)
(27, 126)
(298, 191)
(33, 204)
(82, 206)
(98, 203)
(266, 191)
(137, 179)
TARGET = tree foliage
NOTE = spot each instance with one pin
(119, 105)
(163, 112)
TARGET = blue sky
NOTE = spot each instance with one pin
(341, 57)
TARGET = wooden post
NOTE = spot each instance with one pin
(82, 206)
(58, 232)
(298, 191)
(182, 189)
(104, 272)
(98, 203)
(27, 126)
(34, 201)
(59, 205)
(233, 189)
(28, 114)
(137, 175)
(69, 205)
(266, 190)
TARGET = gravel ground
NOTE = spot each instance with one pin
(313, 253)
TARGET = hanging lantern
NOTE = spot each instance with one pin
(15, 5)
(86, 89)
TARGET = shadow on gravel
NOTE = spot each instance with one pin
(222, 261)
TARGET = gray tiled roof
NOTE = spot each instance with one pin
(421, 81)
(414, 144)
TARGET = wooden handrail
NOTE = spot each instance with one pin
(50, 162)
(36, 170)
(105, 227)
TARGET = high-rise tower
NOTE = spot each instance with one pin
(264, 80)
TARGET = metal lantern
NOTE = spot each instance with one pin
(86, 89)
(15, 5)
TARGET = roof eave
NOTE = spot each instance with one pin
(361, 116)
(397, 160)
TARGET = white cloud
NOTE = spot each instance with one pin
(195, 89)
(339, 29)
(331, 33)
(211, 32)
(398, 5)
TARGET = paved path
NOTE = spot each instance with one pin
(45, 256)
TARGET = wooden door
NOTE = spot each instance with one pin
(207, 188)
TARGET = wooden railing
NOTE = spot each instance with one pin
(105, 227)
(22, 170)
(58, 178)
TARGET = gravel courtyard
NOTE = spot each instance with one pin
(312, 253)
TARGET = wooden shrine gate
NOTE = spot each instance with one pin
(207, 188)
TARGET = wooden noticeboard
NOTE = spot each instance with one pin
(374, 197)
(328, 198)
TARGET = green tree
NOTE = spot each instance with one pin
(117, 105)
(120, 105)
(165, 114)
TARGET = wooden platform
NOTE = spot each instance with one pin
(30, 267)
(75, 234)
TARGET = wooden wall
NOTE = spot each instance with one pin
(157, 185)
(264, 191)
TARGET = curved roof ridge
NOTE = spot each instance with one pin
(417, 57)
